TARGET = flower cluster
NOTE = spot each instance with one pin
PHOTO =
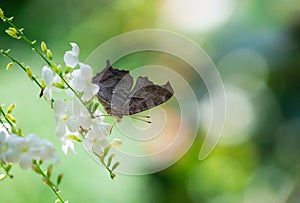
(76, 119)
(24, 150)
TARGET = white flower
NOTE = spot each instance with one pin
(47, 152)
(49, 79)
(79, 116)
(96, 138)
(60, 108)
(116, 142)
(4, 127)
(71, 57)
(70, 116)
(82, 82)
(23, 150)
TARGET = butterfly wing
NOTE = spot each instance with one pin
(114, 87)
(146, 95)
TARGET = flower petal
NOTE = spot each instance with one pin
(71, 57)
(47, 75)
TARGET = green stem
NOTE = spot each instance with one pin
(51, 185)
(21, 66)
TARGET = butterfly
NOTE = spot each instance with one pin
(120, 97)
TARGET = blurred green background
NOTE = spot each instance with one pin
(255, 46)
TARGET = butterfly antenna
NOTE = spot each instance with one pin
(137, 118)
(141, 116)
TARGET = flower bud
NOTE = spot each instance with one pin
(1, 14)
(11, 33)
(11, 118)
(110, 159)
(7, 51)
(58, 85)
(106, 150)
(49, 171)
(116, 143)
(13, 29)
(75, 138)
(59, 179)
(10, 108)
(68, 70)
(101, 158)
(44, 47)
(49, 54)
(115, 166)
(9, 65)
(28, 71)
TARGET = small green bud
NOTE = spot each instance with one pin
(43, 84)
(75, 138)
(33, 42)
(10, 19)
(1, 14)
(68, 70)
(44, 47)
(7, 51)
(47, 182)
(13, 29)
(115, 166)
(106, 150)
(19, 132)
(58, 85)
(49, 54)
(35, 169)
(9, 65)
(110, 159)
(59, 179)
(11, 118)
(28, 71)
(10, 108)
(59, 70)
(11, 33)
(49, 171)
(101, 158)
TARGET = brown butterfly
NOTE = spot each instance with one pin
(119, 98)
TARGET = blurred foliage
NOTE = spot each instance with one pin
(257, 50)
